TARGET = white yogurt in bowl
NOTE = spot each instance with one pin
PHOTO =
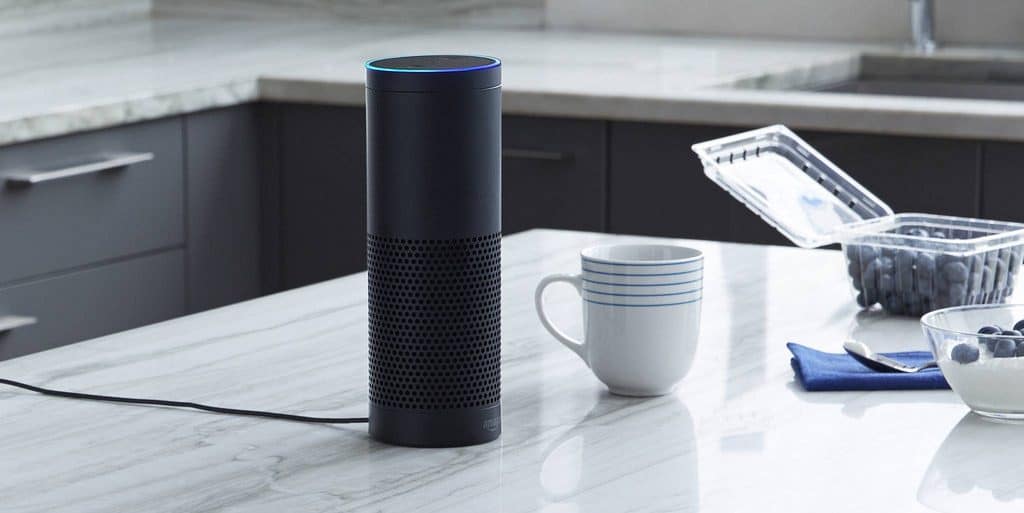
(988, 386)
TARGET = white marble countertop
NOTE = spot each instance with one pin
(64, 81)
(737, 435)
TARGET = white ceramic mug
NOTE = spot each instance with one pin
(641, 314)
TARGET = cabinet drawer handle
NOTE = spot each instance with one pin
(12, 322)
(116, 161)
(515, 153)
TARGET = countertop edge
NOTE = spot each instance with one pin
(960, 119)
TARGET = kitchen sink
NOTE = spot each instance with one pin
(902, 75)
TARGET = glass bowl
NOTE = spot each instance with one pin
(991, 385)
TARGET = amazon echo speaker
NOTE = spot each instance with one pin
(433, 245)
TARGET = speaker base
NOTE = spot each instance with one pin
(440, 428)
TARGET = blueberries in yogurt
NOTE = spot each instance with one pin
(1005, 348)
(1005, 344)
(992, 330)
(965, 353)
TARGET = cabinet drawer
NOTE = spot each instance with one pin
(553, 175)
(323, 177)
(91, 303)
(658, 187)
(84, 205)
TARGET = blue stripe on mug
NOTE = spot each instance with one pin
(643, 306)
(642, 284)
(641, 264)
(642, 275)
(641, 295)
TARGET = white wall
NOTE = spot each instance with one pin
(959, 21)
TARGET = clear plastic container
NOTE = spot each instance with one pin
(909, 264)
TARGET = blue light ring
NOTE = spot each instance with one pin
(495, 62)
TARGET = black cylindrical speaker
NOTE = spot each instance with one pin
(433, 244)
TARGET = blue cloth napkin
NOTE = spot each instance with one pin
(818, 371)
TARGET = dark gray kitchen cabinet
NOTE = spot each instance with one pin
(911, 174)
(225, 192)
(97, 301)
(554, 174)
(83, 199)
(657, 185)
(1003, 182)
(322, 167)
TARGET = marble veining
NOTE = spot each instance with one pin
(736, 435)
(104, 75)
(24, 16)
(496, 13)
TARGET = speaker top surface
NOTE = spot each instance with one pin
(433, 73)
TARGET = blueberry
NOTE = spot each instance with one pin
(917, 232)
(1019, 326)
(893, 304)
(912, 303)
(977, 265)
(957, 291)
(925, 270)
(1010, 333)
(885, 284)
(869, 283)
(989, 272)
(965, 353)
(1015, 260)
(886, 264)
(1002, 269)
(1020, 348)
(905, 269)
(938, 234)
(1005, 348)
(855, 271)
(867, 253)
(992, 330)
(955, 272)
(854, 253)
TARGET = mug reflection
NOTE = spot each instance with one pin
(650, 443)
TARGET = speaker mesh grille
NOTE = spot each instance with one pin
(435, 322)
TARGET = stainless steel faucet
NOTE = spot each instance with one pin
(922, 23)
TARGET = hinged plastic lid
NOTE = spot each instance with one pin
(789, 184)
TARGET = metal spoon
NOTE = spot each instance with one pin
(881, 363)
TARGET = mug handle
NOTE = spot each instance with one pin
(576, 281)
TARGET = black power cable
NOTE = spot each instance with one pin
(185, 404)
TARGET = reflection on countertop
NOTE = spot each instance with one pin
(657, 430)
(977, 468)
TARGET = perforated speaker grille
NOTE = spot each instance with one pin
(435, 322)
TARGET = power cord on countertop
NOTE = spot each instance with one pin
(185, 404)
